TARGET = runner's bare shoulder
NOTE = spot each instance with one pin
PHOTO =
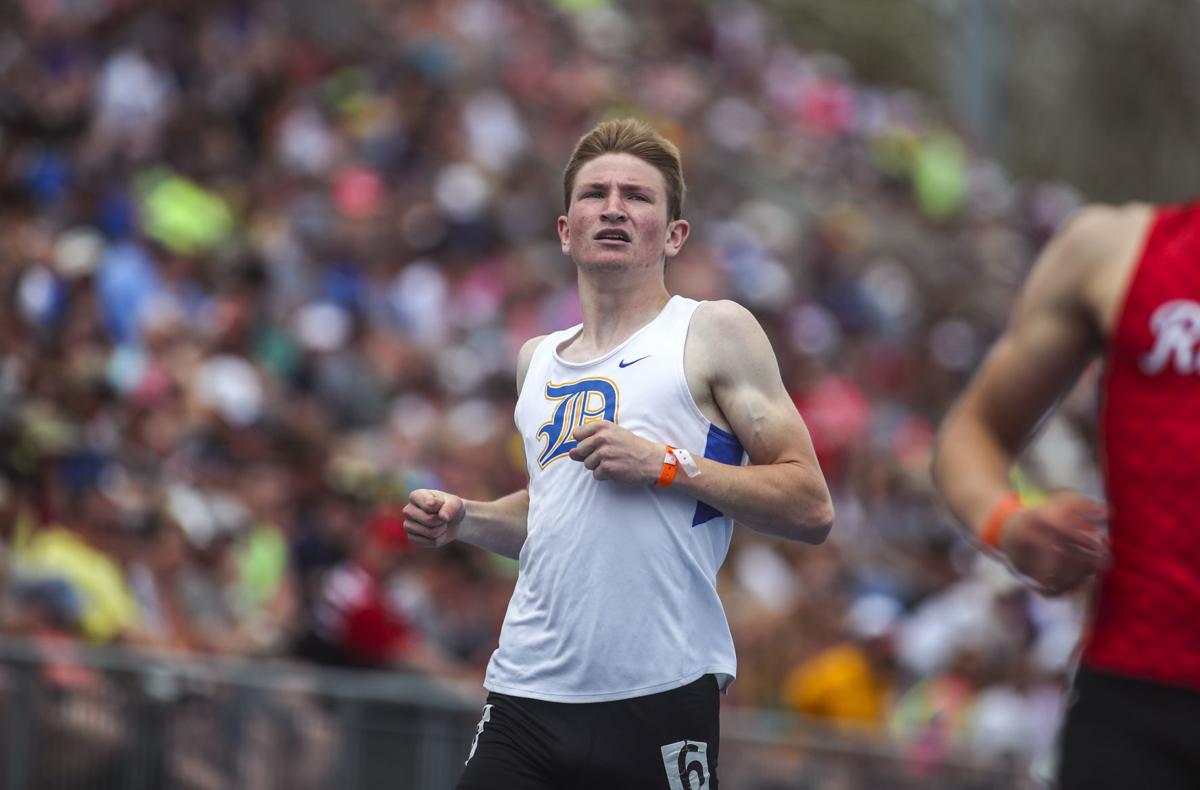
(1099, 248)
(1101, 235)
(524, 357)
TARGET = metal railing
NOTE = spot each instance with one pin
(73, 717)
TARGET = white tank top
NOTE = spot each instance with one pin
(616, 595)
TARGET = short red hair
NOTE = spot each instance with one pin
(636, 138)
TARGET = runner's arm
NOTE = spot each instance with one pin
(435, 518)
(1052, 335)
(782, 492)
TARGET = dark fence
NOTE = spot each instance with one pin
(73, 718)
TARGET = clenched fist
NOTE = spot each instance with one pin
(432, 518)
(1058, 544)
(616, 453)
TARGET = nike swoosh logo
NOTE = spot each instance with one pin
(624, 364)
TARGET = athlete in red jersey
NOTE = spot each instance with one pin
(1123, 283)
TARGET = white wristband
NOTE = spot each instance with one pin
(686, 462)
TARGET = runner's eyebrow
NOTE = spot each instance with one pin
(626, 187)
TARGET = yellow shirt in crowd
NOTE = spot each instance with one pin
(838, 684)
(108, 605)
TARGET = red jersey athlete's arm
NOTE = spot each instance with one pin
(1058, 325)
(435, 518)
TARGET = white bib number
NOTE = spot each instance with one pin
(686, 763)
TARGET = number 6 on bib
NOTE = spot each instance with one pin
(687, 764)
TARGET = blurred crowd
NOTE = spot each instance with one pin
(265, 267)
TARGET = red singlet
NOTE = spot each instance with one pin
(1146, 620)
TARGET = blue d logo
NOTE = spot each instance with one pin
(579, 402)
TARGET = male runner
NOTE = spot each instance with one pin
(1123, 283)
(615, 644)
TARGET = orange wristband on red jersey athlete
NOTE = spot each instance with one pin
(670, 467)
(990, 534)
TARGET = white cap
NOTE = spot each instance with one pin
(231, 386)
(77, 251)
(872, 615)
(321, 326)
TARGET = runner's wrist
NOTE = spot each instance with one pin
(676, 460)
(669, 467)
(998, 523)
(458, 526)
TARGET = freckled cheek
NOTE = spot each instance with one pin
(652, 235)
(580, 237)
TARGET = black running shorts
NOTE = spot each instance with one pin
(664, 741)
(1123, 732)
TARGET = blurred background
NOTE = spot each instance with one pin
(265, 267)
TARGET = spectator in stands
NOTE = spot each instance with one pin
(353, 621)
(851, 683)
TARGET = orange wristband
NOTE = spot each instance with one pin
(670, 467)
(990, 534)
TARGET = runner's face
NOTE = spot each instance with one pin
(618, 216)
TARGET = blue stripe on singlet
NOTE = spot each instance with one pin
(724, 447)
